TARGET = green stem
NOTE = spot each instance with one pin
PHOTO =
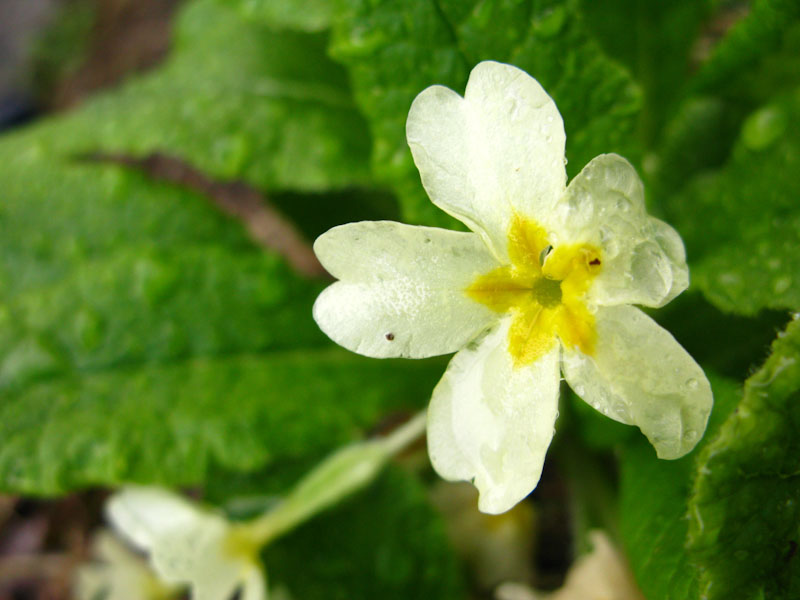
(342, 473)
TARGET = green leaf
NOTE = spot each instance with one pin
(744, 510)
(653, 505)
(741, 224)
(305, 15)
(727, 344)
(739, 57)
(654, 40)
(58, 215)
(143, 337)
(236, 99)
(395, 49)
(170, 423)
(387, 542)
(166, 306)
(758, 60)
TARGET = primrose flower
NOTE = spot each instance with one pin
(541, 286)
(188, 545)
(117, 573)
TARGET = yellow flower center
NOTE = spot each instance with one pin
(544, 289)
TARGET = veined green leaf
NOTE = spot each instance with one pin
(236, 99)
(143, 337)
(653, 506)
(745, 505)
(170, 423)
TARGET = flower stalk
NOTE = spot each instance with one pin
(339, 475)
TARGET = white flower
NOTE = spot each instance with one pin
(188, 545)
(542, 285)
(116, 573)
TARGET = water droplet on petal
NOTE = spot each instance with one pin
(623, 204)
(621, 411)
(611, 247)
(692, 384)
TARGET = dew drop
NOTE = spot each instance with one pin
(764, 128)
(782, 284)
(621, 411)
(690, 435)
(774, 264)
(692, 384)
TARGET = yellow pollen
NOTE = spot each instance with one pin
(544, 290)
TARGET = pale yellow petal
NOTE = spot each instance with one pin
(403, 289)
(642, 258)
(496, 152)
(641, 376)
(491, 423)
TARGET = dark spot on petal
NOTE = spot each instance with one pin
(389, 336)
(594, 261)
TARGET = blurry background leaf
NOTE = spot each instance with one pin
(394, 50)
(654, 40)
(653, 505)
(737, 60)
(740, 224)
(757, 59)
(389, 531)
(728, 344)
(744, 510)
(302, 15)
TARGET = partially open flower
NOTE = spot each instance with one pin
(188, 545)
(541, 286)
